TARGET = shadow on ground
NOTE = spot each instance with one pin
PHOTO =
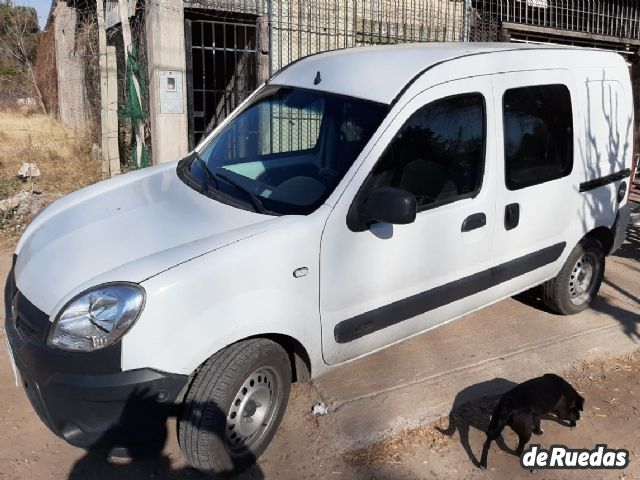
(533, 298)
(631, 248)
(141, 434)
(468, 412)
(629, 321)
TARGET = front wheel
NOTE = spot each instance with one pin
(234, 406)
(577, 284)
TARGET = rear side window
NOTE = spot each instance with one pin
(538, 135)
(438, 154)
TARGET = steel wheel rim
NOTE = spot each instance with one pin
(582, 279)
(252, 410)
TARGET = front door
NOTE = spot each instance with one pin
(537, 191)
(389, 282)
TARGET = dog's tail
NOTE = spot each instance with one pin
(451, 428)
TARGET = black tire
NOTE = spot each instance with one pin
(572, 290)
(219, 404)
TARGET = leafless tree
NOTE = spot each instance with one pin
(18, 44)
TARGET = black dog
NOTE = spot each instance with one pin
(522, 407)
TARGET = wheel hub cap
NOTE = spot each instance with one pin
(581, 280)
(249, 411)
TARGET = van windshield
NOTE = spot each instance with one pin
(285, 152)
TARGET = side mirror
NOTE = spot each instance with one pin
(383, 205)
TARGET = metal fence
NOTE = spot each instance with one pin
(285, 30)
(609, 18)
(300, 28)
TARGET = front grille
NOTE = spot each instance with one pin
(31, 322)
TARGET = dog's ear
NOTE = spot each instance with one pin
(580, 402)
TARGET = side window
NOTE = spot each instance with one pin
(538, 135)
(438, 154)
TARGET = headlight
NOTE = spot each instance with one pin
(97, 318)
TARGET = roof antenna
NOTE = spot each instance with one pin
(318, 79)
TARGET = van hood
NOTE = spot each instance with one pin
(128, 228)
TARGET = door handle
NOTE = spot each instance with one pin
(511, 216)
(477, 220)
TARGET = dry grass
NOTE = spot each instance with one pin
(62, 155)
(392, 450)
(597, 371)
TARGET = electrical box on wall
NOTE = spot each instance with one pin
(171, 92)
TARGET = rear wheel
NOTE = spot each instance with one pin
(234, 406)
(577, 284)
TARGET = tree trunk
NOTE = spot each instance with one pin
(39, 99)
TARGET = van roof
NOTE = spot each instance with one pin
(380, 73)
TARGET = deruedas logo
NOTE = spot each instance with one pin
(559, 456)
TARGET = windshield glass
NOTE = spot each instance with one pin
(286, 152)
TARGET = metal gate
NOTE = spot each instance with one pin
(221, 67)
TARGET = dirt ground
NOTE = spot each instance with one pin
(611, 416)
(304, 447)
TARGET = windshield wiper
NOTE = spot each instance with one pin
(213, 177)
(255, 201)
(203, 165)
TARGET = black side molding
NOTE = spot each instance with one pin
(599, 182)
(396, 312)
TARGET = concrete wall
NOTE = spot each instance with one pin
(166, 53)
(72, 108)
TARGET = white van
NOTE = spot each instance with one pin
(360, 197)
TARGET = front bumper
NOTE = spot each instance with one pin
(86, 398)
